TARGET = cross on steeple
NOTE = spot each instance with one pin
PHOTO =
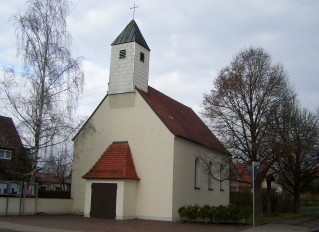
(134, 9)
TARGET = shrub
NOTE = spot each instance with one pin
(205, 211)
(235, 213)
(182, 211)
(54, 194)
(220, 213)
(193, 211)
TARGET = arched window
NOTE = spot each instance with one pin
(210, 175)
(221, 176)
(197, 173)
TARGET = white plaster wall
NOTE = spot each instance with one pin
(184, 192)
(127, 117)
(129, 199)
(50, 206)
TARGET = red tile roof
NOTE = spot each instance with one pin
(9, 137)
(244, 174)
(115, 163)
(181, 120)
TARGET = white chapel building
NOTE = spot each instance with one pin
(136, 155)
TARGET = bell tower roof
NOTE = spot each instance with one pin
(131, 33)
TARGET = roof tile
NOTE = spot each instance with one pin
(9, 137)
(181, 120)
(115, 163)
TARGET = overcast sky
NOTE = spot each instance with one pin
(190, 41)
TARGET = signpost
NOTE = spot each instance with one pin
(253, 171)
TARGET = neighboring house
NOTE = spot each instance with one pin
(242, 170)
(49, 181)
(137, 154)
(10, 146)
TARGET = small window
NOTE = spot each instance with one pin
(197, 173)
(122, 54)
(142, 56)
(5, 154)
(210, 176)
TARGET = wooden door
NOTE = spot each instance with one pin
(103, 200)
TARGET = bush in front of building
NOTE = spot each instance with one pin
(231, 212)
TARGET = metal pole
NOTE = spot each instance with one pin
(253, 196)
(8, 196)
(36, 198)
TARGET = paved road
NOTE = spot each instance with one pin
(73, 223)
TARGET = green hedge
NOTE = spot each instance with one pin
(54, 194)
(221, 213)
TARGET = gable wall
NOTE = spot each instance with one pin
(184, 178)
(127, 117)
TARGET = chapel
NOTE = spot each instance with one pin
(137, 154)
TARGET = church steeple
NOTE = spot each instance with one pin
(131, 33)
(129, 61)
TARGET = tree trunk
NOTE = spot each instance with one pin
(296, 202)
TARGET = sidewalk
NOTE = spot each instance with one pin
(277, 228)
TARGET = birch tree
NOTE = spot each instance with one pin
(59, 163)
(43, 96)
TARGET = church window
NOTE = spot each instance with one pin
(197, 173)
(5, 154)
(142, 56)
(210, 175)
(221, 176)
(122, 54)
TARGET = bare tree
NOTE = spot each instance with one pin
(241, 106)
(297, 146)
(43, 98)
(59, 163)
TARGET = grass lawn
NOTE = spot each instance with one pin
(279, 217)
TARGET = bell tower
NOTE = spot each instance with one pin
(130, 58)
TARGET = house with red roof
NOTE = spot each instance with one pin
(137, 154)
(243, 186)
(10, 145)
